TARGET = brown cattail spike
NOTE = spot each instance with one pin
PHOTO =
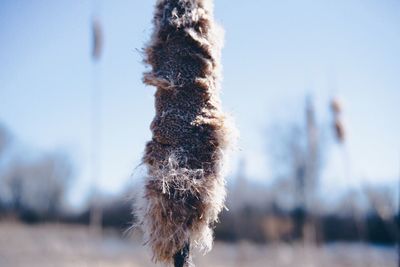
(184, 190)
(337, 117)
(97, 35)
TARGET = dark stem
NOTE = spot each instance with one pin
(182, 257)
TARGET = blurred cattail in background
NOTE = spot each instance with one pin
(96, 214)
(336, 108)
(184, 190)
(97, 36)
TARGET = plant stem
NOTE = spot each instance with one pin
(182, 257)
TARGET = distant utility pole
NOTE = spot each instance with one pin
(96, 99)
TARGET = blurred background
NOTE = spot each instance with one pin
(314, 91)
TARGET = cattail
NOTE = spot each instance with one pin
(97, 34)
(184, 188)
(337, 117)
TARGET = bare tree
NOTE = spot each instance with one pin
(296, 153)
(38, 186)
(5, 142)
(5, 139)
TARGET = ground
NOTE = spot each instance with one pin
(67, 245)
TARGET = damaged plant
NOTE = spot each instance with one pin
(184, 190)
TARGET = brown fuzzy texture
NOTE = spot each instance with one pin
(184, 190)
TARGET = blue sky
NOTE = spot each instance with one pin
(276, 52)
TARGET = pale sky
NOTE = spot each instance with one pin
(275, 53)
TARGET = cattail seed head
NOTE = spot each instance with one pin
(337, 117)
(184, 189)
